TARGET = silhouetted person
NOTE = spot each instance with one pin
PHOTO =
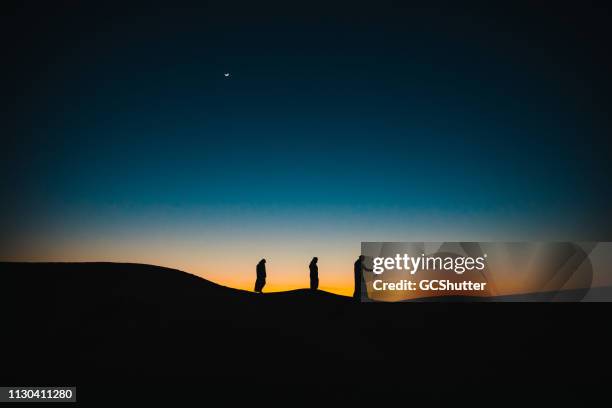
(359, 277)
(357, 270)
(261, 276)
(314, 274)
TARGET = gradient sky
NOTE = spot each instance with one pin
(339, 124)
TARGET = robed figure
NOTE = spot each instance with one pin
(360, 284)
(314, 274)
(261, 276)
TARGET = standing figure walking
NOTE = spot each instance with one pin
(360, 283)
(261, 276)
(314, 274)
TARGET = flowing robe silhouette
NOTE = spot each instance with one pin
(261, 276)
(314, 274)
(360, 284)
(357, 271)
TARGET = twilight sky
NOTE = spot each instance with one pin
(339, 124)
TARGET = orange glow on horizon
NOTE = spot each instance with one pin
(232, 262)
(287, 268)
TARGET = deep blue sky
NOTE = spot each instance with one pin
(488, 115)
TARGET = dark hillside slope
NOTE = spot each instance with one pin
(103, 322)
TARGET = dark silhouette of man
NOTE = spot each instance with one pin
(261, 276)
(314, 274)
(359, 277)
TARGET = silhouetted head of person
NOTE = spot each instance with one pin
(263, 261)
(361, 258)
(314, 260)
